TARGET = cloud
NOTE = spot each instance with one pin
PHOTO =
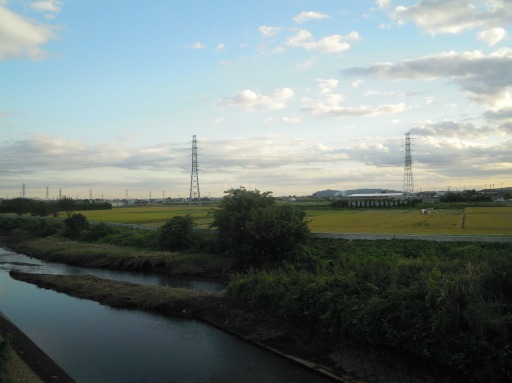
(20, 36)
(268, 163)
(327, 85)
(501, 118)
(330, 105)
(50, 7)
(329, 44)
(197, 45)
(220, 47)
(449, 128)
(291, 120)
(306, 16)
(492, 36)
(251, 100)
(452, 16)
(269, 31)
(486, 79)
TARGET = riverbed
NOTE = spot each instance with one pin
(95, 343)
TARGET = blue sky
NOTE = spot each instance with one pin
(290, 96)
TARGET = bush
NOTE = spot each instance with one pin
(75, 225)
(177, 233)
(97, 232)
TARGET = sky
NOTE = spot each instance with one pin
(102, 98)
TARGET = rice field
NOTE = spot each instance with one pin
(471, 220)
(390, 221)
(488, 220)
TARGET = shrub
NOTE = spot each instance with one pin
(177, 233)
(97, 232)
(75, 225)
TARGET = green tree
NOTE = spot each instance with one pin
(67, 205)
(252, 227)
(75, 225)
(177, 233)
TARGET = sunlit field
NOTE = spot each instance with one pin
(471, 220)
(390, 221)
(151, 215)
(488, 220)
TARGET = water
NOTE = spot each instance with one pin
(11, 260)
(95, 343)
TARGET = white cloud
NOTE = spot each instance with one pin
(197, 45)
(327, 85)
(486, 79)
(47, 6)
(306, 16)
(22, 37)
(492, 36)
(268, 31)
(220, 47)
(251, 100)
(453, 16)
(330, 106)
(329, 44)
(291, 120)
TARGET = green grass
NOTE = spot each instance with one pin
(322, 218)
(151, 216)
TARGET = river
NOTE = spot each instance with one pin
(95, 343)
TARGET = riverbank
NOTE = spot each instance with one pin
(57, 249)
(27, 362)
(294, 339)
(219, 310)
(214, 309)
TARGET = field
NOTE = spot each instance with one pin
(463, 221)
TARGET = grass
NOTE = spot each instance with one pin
(150, 215)
(468, 221)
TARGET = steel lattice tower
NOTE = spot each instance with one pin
(408, 187)
(194, 176)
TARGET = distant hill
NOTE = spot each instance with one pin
(329, 193)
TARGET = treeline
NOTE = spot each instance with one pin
(39, 208)
(465, 196)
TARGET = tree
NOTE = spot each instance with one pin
(75, 225)
(177, 233)
(252, 227)
(67, 205)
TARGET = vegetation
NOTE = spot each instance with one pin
(5, 352)
(22, 206)
(253, 228)
(177, 233)
(446, 302)
(465, 196)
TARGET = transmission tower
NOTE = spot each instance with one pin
(23, 190)
(408, 187)
(194, 176)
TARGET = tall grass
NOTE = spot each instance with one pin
(446, 302)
